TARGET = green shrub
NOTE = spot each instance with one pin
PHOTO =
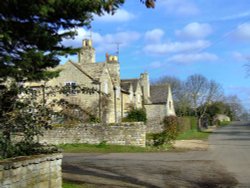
(184, 124)
(187, 123)
(168, 135)
(223, 123)
(171, 127)
(136, 114)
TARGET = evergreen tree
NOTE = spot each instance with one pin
(31, 32)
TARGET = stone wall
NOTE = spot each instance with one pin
(41, 171)
(121, 134)
(155, 115)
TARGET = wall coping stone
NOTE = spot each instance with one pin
(16, 162)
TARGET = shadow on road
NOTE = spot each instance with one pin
(109, 175)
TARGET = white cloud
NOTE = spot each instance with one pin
(103, 43)
(242, 33)
(179, 7)
(120, 16)
(175, 47)
(236, 16)
(194, 31)
(241, 57)
(156, 65)
(154, 35)
(107, 42)
(192, 57)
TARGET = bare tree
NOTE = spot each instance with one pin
(174, 82)
(202, 92)
(235, 105)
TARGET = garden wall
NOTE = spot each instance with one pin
(155, 116)
(121, 134)
(40, 171)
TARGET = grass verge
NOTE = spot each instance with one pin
(67, 184)
(193, 134)
(105, 148)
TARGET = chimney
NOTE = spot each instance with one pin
(144, 78)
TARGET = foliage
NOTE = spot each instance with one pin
(183, 124)
(69, 184)
(103, 147)
(171, 128)
(193, 134)
(149, 3)
(215, 108)
(21, 120)
(24, 114)
(191, 94)
(136, 114)
(168, 135)
(27, 56)
(223, 123)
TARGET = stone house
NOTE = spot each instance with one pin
(221, 118)
(104, 77)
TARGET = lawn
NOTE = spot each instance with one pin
(193, 134)
(67, 184)
(105, 148)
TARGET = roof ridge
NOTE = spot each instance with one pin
(79, 68)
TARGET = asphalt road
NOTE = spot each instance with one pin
(226, 164)
(231, 147)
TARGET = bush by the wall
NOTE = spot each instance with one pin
(168, 135)
(186, 123)
(135, 115)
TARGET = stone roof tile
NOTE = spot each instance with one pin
(159, 94)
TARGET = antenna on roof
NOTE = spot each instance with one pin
(117, 48)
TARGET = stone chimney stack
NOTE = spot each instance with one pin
(144, 79)
(87, 52)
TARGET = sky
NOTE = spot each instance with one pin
(178, 38)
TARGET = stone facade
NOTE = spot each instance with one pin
(155, 115)
(221, 118)
(133, 134)
(41, 171)
(105, 78)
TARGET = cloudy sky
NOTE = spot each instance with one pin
(178, 38)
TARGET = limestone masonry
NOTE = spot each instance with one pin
(124, 134)
(122, 94)
(31, 172)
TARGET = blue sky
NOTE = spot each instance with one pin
(178, 38)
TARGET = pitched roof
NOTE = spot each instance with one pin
(159, 94)
(125, 86)
(133, 82)
(91, 70)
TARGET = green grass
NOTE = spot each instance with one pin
(193, 134)
(105, 148)
(70, 185)
(67, 184)
(224, 123)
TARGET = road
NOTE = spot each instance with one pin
(231, 147)
(225, 164)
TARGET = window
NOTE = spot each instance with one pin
(70, 88)
(170, 105)
(106, 89)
